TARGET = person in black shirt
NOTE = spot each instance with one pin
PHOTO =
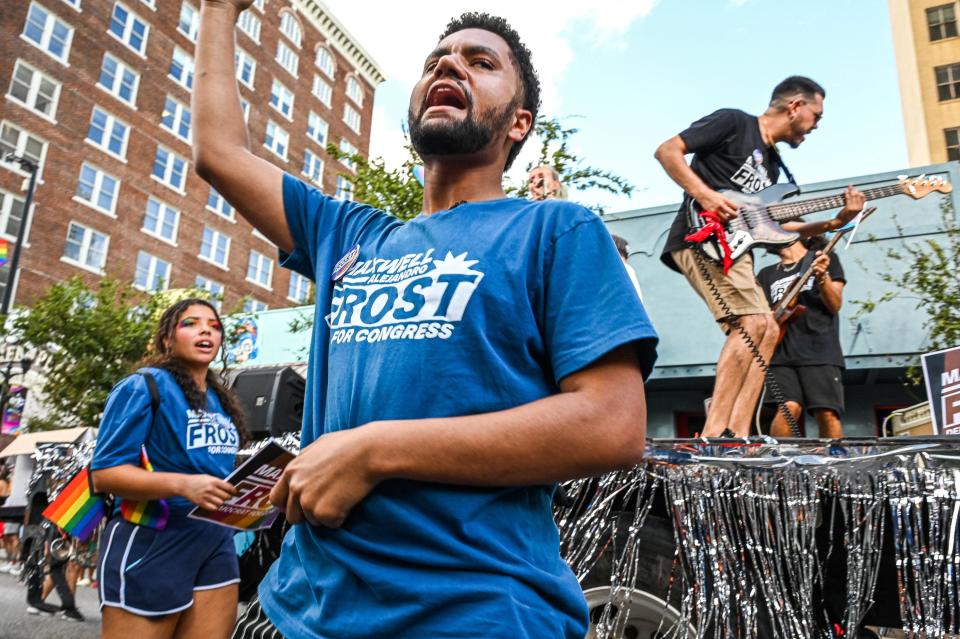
(735, 150)
(808, 363)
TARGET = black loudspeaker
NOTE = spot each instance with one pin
(273, 399)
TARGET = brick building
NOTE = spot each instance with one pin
(99, 92)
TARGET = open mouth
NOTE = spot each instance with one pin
(204, 344)
(445, 95)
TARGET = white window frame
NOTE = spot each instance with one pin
(216, 197)
(187, 68)
(312, 166)
(215, 244)
(287, 58)
(152, 273)
(168, 169)
(245, 107)
(118, 78)
(6, 210)
(352, 118)
(33, 90)
(112, 122)
(314, 125)
(163, 210)
(193, 28)
(204, 283)
(97, 190)
(180, 113)
(299, 285)
(23, 136)
(74, 3)
(259, 4)
(253, 305)
(326, 63)
(280, 97)
(152, 4)
(84, 250)
(344, 189)
(239, 59)
(355, 90)
(322, 90)
(249, 24)
(49, 23)
(126, 36)
(347, 147)
(291, 28)
(260, 260)
(278, 134)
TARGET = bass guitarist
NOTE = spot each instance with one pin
(808, 363)
(734, 150)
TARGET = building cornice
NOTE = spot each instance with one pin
(340, 39)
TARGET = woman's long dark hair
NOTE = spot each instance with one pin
(162, 357)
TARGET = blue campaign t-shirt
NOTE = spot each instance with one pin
(181, 440)
(480, 308)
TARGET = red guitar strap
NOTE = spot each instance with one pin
(713, 227)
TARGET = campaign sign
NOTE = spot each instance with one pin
(941, 370)
(250, 508)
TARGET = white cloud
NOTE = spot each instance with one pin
(399, 36)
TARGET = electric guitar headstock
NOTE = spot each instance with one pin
(923, 185)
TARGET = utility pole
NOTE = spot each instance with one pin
(32, 167)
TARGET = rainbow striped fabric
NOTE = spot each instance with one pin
(152, 514)
(4, 252)
(77, 509)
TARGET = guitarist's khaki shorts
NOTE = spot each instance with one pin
(738, 288)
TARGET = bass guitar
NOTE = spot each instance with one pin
(760, 214)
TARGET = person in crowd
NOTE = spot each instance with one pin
(177, 580)
(624, 250)
(808, 363)
(544, 183)
(737, 151)
(468, 360)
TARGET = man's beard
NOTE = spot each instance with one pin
(458, 138)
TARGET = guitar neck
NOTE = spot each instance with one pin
(799, 283)
(791, 210)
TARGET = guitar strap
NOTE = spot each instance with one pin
(783, 167)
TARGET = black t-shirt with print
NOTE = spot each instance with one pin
(813, 339)
(728, 153)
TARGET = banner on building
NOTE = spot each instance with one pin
(941, 370)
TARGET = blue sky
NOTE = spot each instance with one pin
(631, 74)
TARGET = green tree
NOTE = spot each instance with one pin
(395, 191)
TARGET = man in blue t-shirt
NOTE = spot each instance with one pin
(461, 364)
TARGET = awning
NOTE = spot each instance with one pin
(27, 443)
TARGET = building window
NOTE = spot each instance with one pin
(126, 27)
(344, 189)
(317, 128)
(276, 139)
(249, 23)
(118, 79)
(48, 32)
(324, 61)
(15, 140)
(176, 119)
(312, 166)
(350, 150)
(953, 144)
(73, 3)
(150, 3)
(942, 22)
(153, 274)
(259, 269)
(245, 107)
(259, 4)
(287, 58)
(181, 68)
(246, 67)
(108, 133)
(161, 220)
(85, 247)
(948, 82)
(189, 23)
(281, 99)
(351, 117)
(218, 205)
(214, 247)
(251, 305)
(34, 90)
(322, 91)
(215, 289)
(11, 215)
(299, 289)
(354, 90)
(97, 189)
(170, 169)
(290, 27)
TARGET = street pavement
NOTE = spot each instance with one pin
(15, 623)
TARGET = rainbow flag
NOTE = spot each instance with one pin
(152, 514)
(77, 510)
(4, 252)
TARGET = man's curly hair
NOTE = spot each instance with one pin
(519, 54)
